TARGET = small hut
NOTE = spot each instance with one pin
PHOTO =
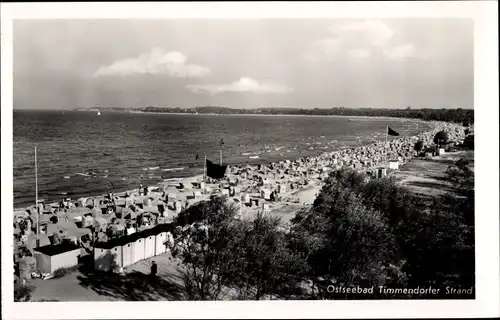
(52, 257)
(394, 164)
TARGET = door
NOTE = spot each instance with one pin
(149, 248)
(127, 254)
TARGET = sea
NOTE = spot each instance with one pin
(81, 154)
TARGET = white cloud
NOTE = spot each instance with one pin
(156, 62)
(244, 84)
(399, 52)
(359, 40)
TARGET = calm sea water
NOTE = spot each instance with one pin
(82, 154)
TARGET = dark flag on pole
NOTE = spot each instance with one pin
(392, 132)
(215, 171)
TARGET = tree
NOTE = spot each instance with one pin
(419, 145)
(394, 201)
(441, 138)
(268, 265)
(439, 248)
(205, 240)
(345, 241)
(227, 257)
(419, 242)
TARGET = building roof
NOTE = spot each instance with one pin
(78, 232)
(153, 209)
(135, 236)
(52, 250)
(77, 211)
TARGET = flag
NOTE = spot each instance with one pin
(214, 170)
(392, 132)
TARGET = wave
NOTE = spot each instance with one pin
(172, 169)
(82, 174)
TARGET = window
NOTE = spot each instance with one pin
(128, 245)
(116, 249)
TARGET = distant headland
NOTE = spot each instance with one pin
(450, 115)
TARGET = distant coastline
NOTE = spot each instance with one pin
(446, 115)
(273, 115)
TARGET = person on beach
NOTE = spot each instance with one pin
(154, 269)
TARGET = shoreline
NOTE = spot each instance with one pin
(328, 154)
(255, 162)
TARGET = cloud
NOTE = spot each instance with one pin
(156, 62)
(359, 40)
(399, 52)
(244, 84)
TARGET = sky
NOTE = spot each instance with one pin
(299, 63)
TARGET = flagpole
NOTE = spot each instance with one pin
(221, 143)
(36, 202)
(385, 145)
(205, 168)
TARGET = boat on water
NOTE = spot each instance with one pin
(98, 113)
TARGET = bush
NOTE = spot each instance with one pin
(22, 292)
(418, 146)
(441, 138)
(469, 142)
(61, 272)
(379, 233)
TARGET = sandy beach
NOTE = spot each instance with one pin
(347, 156)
